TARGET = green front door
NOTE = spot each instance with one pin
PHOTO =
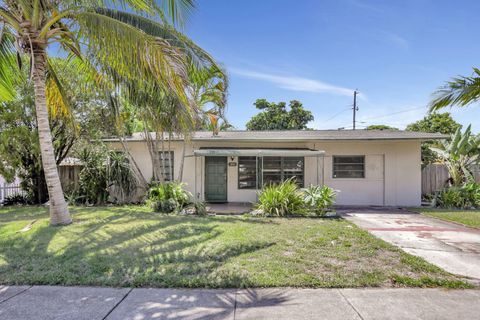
(216, 179)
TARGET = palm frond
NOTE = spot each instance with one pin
(58, 101)
(133, 54)
(460, 91)
(8, 65)
(199, 57)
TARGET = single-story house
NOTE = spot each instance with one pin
(368, 167)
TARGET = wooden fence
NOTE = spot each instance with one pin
(435, 177)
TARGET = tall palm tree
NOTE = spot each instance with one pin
(111, 42)
(460, 91)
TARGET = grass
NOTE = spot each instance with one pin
(469, 218)
(130, 246)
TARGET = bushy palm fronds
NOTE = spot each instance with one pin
(460, 91)
(319, 198)
(281, 199)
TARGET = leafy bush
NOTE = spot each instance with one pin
(93, 176)
(16, 199)
(281, 199)
(168, 197)
(463, 197)
(319, 198)
(200, 208)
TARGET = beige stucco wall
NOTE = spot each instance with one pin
(393, 171)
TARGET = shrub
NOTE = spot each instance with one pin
(168, 197)
(200, 208)
(319, 198)
(16, 199)
(281, 200)
(463, 197)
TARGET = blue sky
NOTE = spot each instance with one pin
(395, 52)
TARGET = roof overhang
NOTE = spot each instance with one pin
(258, 152)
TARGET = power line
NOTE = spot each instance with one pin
(393, 113)
(337, 114)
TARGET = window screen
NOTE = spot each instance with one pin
(349, 166)
(278, 169)
(247, 173)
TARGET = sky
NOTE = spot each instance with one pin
(396, 53)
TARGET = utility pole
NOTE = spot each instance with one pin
(355, 107)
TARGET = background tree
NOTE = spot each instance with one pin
(70, 125)
(275, 116)
(380, 127)
(114, 44)
(433, 123)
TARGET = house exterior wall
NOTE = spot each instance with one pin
(392, 169)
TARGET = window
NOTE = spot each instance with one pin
(278, 169)
(349, 166)
(166, 165)
(247, 172)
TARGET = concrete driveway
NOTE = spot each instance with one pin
(452, 247)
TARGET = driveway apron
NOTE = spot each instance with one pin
(450, 246)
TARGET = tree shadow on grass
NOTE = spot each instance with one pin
(122, 250)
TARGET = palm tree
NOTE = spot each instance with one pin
(110, 42)
(460, 91)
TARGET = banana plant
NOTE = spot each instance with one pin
(458, 154)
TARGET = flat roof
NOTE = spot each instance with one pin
(298, 135)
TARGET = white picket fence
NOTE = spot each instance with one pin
(9, 189)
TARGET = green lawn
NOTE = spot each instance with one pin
(130, 246)
(469, 218)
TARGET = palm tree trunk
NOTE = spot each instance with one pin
(182, 162)
(59, 214)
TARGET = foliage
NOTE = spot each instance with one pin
(121, 175)
(200, 208)
(434, 123)
(380, 127)
(16, 199)
(275, 116)
(319, 199)
(460, 91)
(168, 197)
(136, 52)
(281, 199)
(19, 144)
(459, 154)
(93, 178)
(103, 173)
(458, 197)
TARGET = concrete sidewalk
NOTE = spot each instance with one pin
(450, 246)
(64, 303)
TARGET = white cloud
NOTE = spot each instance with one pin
(294, 83)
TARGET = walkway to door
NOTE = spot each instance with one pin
(450, 246)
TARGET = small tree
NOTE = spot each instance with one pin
(275, 116)
(380, 127)
(459, 154)
(433, 123)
